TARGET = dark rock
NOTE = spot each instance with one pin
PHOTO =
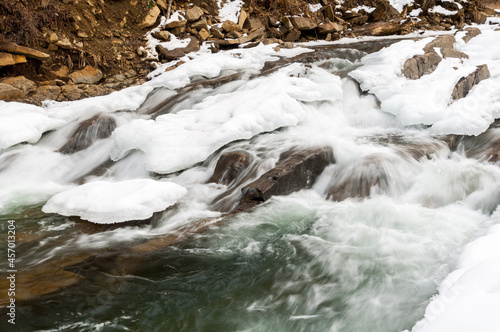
(295, 171)
(465, 84)
(200, 24)
(420, 65)
(253, 23)
(329, 13)
(98, 127)
(176, 53)
(359, 20)
(302, 23)
(229, 167)
(383, 11)
(217, 33)
(292, 35)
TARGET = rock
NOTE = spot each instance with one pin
(21, 50)
(71, 92)
(452, 53)
(234, 34)
(229, 26)
(285, 20)
(177, 31)
(193, 14)
(292, 35)
(359, 20)
(8, 92)
(52, 47)
(242, 19)
(200, 24)
(471, 33)
(7, 59)
(20, 82)
(444, 41)
(162, 4)
(326, 28)
(53, 38)
(229, 167)
(465, 84)
(217, 33)
(253, 24)
(383, 11)
(329, 13)
(176, 24)
(98, 127)
(162, 35)
(383, 28)
(253, 36)
(302, 23)
(204, 34)
(150, 18)
(179, 52)
(294, 171)
(88, 75)
(47, 92)
(479, 17)
(420, 65)
(64, 44)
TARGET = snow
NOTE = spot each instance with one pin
(440, 10)
(428, 100)
(416, 12)
(315, 7)
(174, 142)
(366, 9)
(469, 297)
(229, 10)
(23, 123)
(399, 4)
(104, 202)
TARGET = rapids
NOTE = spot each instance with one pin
(366, 248)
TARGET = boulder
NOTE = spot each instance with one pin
(294, 171)
(229, 26)
(7, 59)
(444, 41)
(8, 92)
(20, 82)
(420, 65)
(200, 24)
(21, 50)
(98, 127)
(465, 84)
(471, 33)
(253, 23)
(70, 92)
(161, 35)
(229, 167)
(326, 28)
(302, 23)
(452, 53)
(88, 75)
(47, 92)
(176, 53)
(193, 14)
(292, 35)
(150, 18)
(253, 36)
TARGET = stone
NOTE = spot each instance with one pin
(452, 53)
(52, 47)
(479, 17)
(177, 31)
(253, 36)
(329, 13)
(21, 50)
(20, 82)
(53, 38)
(82, 34)
(88, 75)
(253, 24)
(150, 18)
(379, 29)
(64, 44)
(285, 20)
(326, 28)
(162, 4)
(204, 34)
(292, 35)
(62, 72)
(176, 24)
(444, 41)
(359, 20)
(8, 92)
(7, 59)
(420, 65)
(217, 33)
(161, 35)
(471, 33)
(176, 53)
(47, 92)
(294, 171)
(242, 18)
(302, 23)
(234, 34)
(97, 127)
(193, 14)
(465, 84)
(200, 24)
(229, 26)
(229, 167)
(383, 11)
(71, 92)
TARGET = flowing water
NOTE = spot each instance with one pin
(366, 255)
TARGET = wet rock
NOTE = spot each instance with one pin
(326, 28)
(7, 59)
(161, 35)
(176, 24)
(98, 127)
(176, 53)
(465, 84)
(150, 18)
(21, 50)
(471, 33)
(193, 14)
(88, 75)
(8, 92)
(200, 24)
(420, 65)
(302, 23)
(229, 167)
(229, 26)
(20, 82)
(295, 171)
(47, 92)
